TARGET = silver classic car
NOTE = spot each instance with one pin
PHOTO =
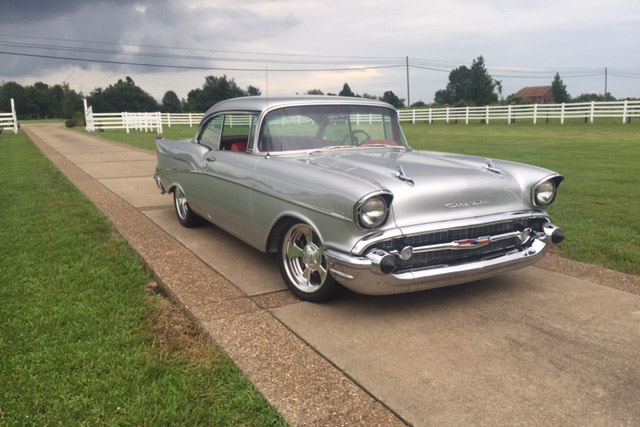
(331, 185)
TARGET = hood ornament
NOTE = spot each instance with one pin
(490, 167)
(402, 176)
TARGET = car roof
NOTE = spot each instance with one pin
(262, 103)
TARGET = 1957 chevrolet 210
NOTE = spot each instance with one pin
(332, 186)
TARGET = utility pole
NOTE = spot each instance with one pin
(408, 95)
(605, 83)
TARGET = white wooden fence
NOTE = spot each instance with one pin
(191, 119)
(9, 121)
(624, 110)
(130, 121)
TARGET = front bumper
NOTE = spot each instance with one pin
(363, 274)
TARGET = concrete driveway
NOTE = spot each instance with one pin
(533, 347)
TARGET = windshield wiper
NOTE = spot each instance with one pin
(330, 147)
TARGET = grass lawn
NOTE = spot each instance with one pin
(82, 341)
(144, 140)
(598, 205)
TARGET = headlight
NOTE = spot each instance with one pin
(544, 193)
(372, 212)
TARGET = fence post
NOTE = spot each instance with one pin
(169, 119)
(190, 121)
(593, 110)
(14, 117)
(562, 114)
(159, 122)
(447, 116)
(509, 115)
(624, 111)
(535, 113)
(125, 119)
(466, 116)
(430, 115)
(486, 119)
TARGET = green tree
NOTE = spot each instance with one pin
(517, 100)
(469, 86)
(171, 102)
(346, 91)
(391, 98)
(588, 97)
(253, 91)
(559, 90)
(124, 95)
(418, 104)
(481, 91)
(13, 90)
(214, 90)
(314, 92)
(71, 102)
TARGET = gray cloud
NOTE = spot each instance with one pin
(579, 34)
(158, 23)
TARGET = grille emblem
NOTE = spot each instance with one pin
(472, 243)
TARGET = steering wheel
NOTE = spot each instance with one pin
(351, 136)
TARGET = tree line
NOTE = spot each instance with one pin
(41, 101)
(466, 86)
(474, 86)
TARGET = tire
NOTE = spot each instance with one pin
(303, 265)
(186, 217)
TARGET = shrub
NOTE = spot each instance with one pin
(79, 117)
(71, 123)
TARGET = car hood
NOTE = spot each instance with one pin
(429, 186)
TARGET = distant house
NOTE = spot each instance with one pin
(537, 94)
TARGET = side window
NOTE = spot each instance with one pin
(210, 136)
(236, 131)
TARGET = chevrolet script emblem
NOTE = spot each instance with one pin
(467, 204)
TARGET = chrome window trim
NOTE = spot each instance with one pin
(280, 106)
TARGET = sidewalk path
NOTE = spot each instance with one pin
(534, 347)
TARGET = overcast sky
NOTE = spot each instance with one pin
(524, 42)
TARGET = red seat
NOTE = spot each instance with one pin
(240, 147)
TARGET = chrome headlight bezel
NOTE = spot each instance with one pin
(372, 210)
(544, 192)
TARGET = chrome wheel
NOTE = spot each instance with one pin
(182, 209)
(303, 260)
(186, 217)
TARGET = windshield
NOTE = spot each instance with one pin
(314, 127)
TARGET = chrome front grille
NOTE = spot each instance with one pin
(450, 257)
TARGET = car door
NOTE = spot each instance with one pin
(228, 173)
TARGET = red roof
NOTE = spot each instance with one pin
(534, 91)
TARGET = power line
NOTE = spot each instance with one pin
(189, 67)
(182, 48)
(176, 56)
